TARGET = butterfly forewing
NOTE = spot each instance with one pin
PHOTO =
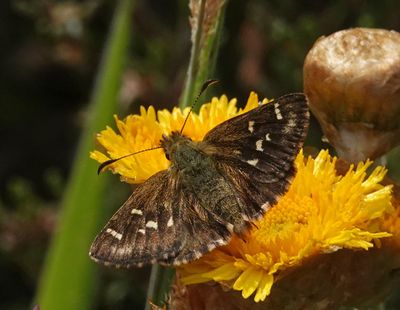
(256, 150)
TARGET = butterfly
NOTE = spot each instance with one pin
(213, 189)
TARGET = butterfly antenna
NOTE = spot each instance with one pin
(203, 88)
(111, 161)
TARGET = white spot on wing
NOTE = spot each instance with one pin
(184, 261)
(229, 226)
(137, 211)
(266, 206)
(220, 242)
(114, 233)
(142, 231)
(267, 137)
(291, 123)
(245, 217)
(259, 216)
(170, 222)
(251, 126)
(152, 224)
(277, 111)
(259, 145)
(211, 246)
(290, 126)
(197, 254)
(253, 162)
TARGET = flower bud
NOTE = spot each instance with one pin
(352, 80)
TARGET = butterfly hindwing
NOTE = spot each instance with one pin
(160, 222)
(255, 151)
(126, 239)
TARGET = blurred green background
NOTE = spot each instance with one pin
(49, 57)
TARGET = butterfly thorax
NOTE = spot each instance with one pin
(194, 166)
(182, 151)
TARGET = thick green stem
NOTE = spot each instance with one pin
(203, 55)
(187, 93)
(68, 278)
(159, 285)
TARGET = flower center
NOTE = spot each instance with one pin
(284, 219)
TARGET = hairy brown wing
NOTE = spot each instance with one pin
(160, 222)
(255, 151)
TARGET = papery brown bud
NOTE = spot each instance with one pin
(212, 10)
(352, 80)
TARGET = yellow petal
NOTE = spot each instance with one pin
(264, 287)
(248, 281)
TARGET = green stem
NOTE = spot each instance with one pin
(187, 93)
(68, 277)
(159, 285)
(203, 55)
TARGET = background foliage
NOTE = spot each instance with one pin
(49, 56)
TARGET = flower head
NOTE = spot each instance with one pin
(143, 131)
(322, 213)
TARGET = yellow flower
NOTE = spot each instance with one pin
(322, 213)
(139, 132)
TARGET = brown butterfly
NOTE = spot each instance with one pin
(212, 189)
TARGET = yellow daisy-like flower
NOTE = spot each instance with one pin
(139, 132)
(322, 213)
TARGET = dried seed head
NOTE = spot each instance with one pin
(212, 10)
(352, 80)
